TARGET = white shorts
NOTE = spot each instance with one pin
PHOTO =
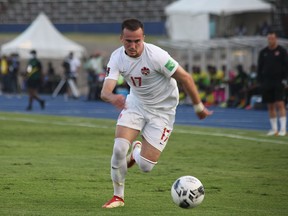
(155, 125)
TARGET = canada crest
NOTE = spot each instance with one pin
(277, 53)
(145, 71)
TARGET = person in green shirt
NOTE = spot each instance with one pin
(34, 80)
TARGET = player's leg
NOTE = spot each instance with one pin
(155, 136)
(122, 142)
(268, 97)
(282, 117)
(272, 119)
(30, 99)
(280, 105)
(36, 96)
(146, 155)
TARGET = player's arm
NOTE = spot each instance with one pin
(107, 94)
(190, 88)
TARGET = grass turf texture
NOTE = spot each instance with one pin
(61, 166)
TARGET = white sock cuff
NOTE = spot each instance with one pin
(149, 161)
(122, 140)
(146, 165)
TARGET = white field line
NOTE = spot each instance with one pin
(233, 136)
(78, 124)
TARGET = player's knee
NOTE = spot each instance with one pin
(146, 165)
(121, 147)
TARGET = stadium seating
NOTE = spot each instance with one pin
(82, 11)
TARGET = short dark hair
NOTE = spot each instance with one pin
(132, 24)
(271, 31)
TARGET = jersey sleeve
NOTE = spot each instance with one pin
(163, 62)
(112, 70)
(167, 65)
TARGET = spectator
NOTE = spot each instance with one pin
(241, 30)
(5, 79)
(75, 64)
(252, 86)
(71, 67)
(51, 79)
(202, 81)
(264, 29)
(14, 65)
(95, 69)
(238, 88)
(216, 84)
(34, 78)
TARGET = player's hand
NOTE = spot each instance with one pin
(204, 113)
(201, 111)
(118, 101)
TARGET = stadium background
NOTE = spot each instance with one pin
(96, 24)
(93, 24)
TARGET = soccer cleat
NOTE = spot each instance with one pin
(272, 133)
(282, 133)
(130, 160)
(114, 202)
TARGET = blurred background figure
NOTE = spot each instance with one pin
(34, 80)
(51, 79)
(252, 87)
(71, 67)
(14, 66)
(4, 74)
(95, 71)
(238, 87)
(202, 81)
(4, 69)
(216, 84)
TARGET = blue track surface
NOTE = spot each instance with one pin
(222, 117)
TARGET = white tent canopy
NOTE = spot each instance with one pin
(43, 37)
(217, 7)
(190, 19)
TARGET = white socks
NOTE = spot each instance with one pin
(283, 123)
(144, 164)
(273, 123)
(119, 165)
(274, 126)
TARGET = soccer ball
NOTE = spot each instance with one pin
(187, 192)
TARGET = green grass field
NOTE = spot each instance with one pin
(54, 165)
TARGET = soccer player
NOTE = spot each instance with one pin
(272, 75)
(149, 108)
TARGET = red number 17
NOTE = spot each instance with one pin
(137, 81)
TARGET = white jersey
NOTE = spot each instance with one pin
(149, 76)
(74, 65)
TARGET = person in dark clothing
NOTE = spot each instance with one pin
(34, 80)
(252, 87)
(238, 87)
(271, 74)
(14, 66)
